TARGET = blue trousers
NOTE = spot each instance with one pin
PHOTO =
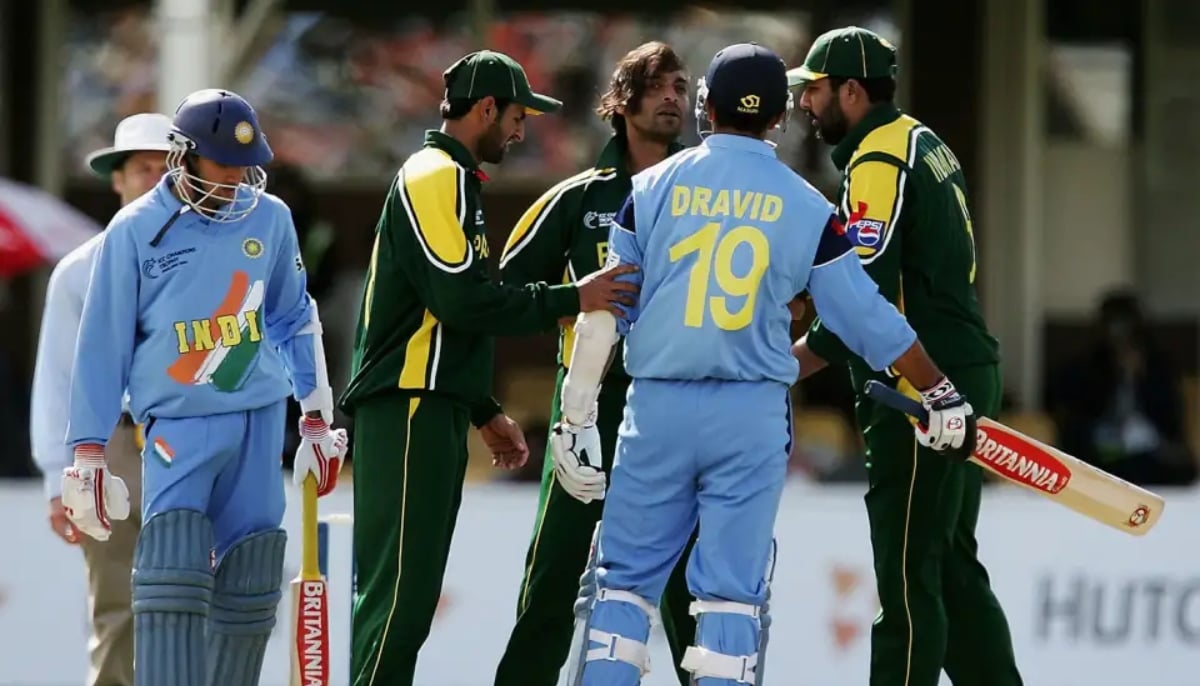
(228, 466)
(710, 451)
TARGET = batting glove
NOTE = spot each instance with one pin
(951, 423)
(577, 462)
(91, 496)
(321, 453)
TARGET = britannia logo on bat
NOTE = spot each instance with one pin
(1023, 463)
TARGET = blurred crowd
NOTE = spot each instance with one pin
(345, 102)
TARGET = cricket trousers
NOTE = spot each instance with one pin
(712, 452)
(557, 554)
(410, 458)
(109, 568)
(937, 608)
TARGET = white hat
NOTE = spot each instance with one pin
(135, 133)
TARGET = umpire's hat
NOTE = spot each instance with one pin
(749, 80)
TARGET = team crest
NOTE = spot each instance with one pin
(244, 132)
(252, 248)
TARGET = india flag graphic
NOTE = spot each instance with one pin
(235, 338)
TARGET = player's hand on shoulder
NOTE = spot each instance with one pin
(506, 441)
(91, 496)
(578, 466)
(604, 290)
(322, 453)
(951, 425)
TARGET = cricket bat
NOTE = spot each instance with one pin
(310, 602)
(1046, 470)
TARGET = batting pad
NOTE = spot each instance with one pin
(172, 593)
(247, 593)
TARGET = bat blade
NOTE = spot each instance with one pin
(310, 603)
(1048, 471)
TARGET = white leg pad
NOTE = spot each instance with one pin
(702, 663)
(725, 607)
(615, 646)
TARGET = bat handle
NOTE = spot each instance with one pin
(896, 400)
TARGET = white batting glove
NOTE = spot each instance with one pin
(951, 425)
(577, 459)
(321, 453)
(91, 496)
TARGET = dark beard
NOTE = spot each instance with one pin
(832, 128)
(491, 145)
(655, 134)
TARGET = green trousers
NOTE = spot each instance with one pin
(937, 609)
(539, 643)
(410, 458)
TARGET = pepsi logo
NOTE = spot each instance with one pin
(866, 232)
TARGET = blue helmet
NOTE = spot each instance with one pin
(218, 125)
(223, 127)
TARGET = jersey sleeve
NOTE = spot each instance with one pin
(441, 261)
(293, 323)
(107, 330)
(536, 249)
(869, 219)
(624, 248)
(850, 306)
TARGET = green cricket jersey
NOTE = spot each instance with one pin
(564, 234)
(429, 308)
(903, 203)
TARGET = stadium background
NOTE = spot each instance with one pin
(1078, 125)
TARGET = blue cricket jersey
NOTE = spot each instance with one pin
(725, 235)
(193, 317)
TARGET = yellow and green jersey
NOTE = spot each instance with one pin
(903, 204)
(429, 308)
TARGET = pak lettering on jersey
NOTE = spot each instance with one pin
(221, 349)
(155, 267)
(598, 220)
(700, 201)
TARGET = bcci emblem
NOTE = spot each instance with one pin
(748, 104)
(244, 133)
(252, 247)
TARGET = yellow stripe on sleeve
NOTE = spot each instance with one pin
(433, 193)
(876, 194)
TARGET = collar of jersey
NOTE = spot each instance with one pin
(732, 141)
(877, 117)
(451, 146)
(614, 156)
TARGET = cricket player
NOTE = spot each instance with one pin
(134, 163)
(563, 234)
(724, 236)
(198, 307)
(904, 205)
(422, 368)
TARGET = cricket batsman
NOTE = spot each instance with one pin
(423, 360)
(565, 233)
(198, 306)
(724, 237)
(903, 204)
